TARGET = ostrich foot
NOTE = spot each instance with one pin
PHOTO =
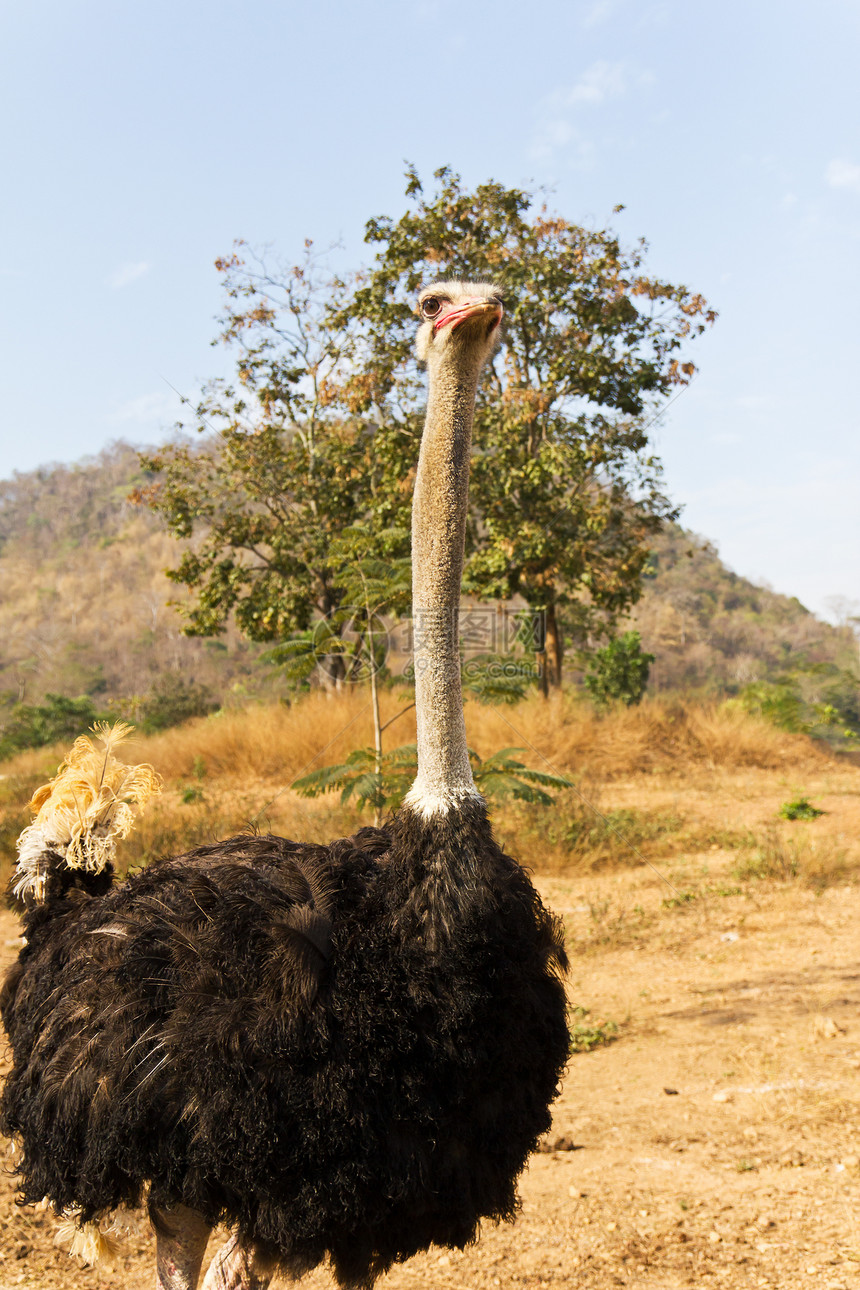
(181, 1236)
(236, 1267)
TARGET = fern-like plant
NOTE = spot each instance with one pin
(381, 781)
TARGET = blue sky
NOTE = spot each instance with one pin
(140, 140)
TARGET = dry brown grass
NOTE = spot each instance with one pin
(233, 770)
(658, 735)
(277, 742)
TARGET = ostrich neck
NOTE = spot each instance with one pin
(444, 778)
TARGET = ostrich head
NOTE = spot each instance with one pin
(461, 318)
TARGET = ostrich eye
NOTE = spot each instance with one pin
(431, 306)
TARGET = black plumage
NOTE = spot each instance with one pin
(344, 1050)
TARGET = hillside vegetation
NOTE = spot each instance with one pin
(86, 609)
(84, 600)
(711, 629)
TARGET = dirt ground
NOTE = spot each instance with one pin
(716, 1138)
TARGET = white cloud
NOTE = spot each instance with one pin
(843, 174)
(128, 272)
(148, 408)
(598, 84)
(598, 12)
(601, 81)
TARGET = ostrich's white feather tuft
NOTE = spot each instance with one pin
(89, 1242)
(83, 812)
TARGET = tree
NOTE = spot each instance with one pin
(376, 584)
(565, 493)
(284, 469)
(320, 431)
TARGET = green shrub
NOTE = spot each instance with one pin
(619, 671)
(585, 1034)
(172, 700)
(58, 720)
(800, 809)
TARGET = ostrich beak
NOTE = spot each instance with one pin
(471, 309)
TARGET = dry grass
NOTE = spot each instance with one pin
(277, 742)
(815, 858)
(233, 770)
(659, 735)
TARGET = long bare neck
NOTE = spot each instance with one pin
(444, 778)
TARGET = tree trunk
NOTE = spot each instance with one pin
(554, 651)
(377, 739)
(541, 659)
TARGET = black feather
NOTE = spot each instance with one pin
(343, 1051)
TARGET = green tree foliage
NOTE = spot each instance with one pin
(619, 671)
(373, 581)
(565, 492)
(813, 699)
(320, 430)
(172, 700)
(285, 470)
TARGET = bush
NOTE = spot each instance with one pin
(173, 700)
(59, 720)
(800, 809)
(821, 700)
(619, 671)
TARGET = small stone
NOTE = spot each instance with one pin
(714, 1237)
(670, 1092)
(610, 1227)
(565, 1143)
(724, 1095)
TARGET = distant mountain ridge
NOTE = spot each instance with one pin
(84, 604)
(84, 600)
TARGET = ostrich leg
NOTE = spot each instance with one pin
(236, 1267)
(180, 1247)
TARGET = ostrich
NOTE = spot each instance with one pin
(342, 1052)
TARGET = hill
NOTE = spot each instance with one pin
(711, 629)
(86, 609)
(85, 606)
